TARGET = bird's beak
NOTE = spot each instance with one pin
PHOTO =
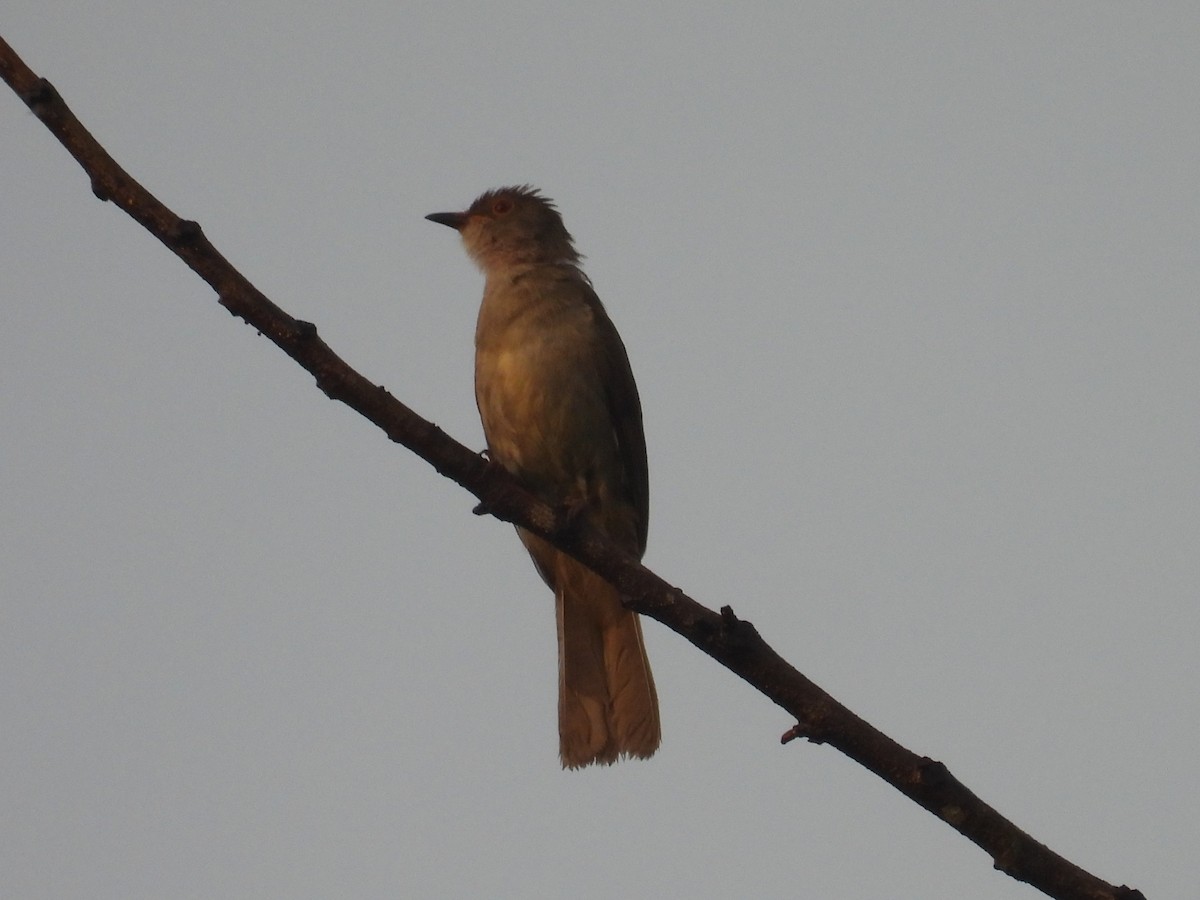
(454, 220)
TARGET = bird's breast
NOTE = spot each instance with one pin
(542, 402)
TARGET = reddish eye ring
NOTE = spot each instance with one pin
(502, 206)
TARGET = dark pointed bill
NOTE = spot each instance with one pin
(453, 220)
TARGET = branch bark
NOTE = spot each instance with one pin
(733, 642)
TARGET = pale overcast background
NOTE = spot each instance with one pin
(912, 293)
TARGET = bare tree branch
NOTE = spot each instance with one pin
(732, 642)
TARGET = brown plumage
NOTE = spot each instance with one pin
(560, 410)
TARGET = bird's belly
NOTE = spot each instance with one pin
(545, 417)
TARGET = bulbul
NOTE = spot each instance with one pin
(560, 411)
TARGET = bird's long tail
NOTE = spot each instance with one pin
(607, 705)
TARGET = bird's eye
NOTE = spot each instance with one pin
(501, 206)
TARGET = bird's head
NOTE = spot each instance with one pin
(512, 226)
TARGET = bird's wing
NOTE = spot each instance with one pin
(625, 408)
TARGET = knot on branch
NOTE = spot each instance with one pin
(801, 730)
(727, 635)
(187, 233)
(40, 97)
(100, 191)
(739, 635)
(933, 774)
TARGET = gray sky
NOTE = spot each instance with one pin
(911, 294)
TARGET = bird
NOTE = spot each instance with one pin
(561, 412)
